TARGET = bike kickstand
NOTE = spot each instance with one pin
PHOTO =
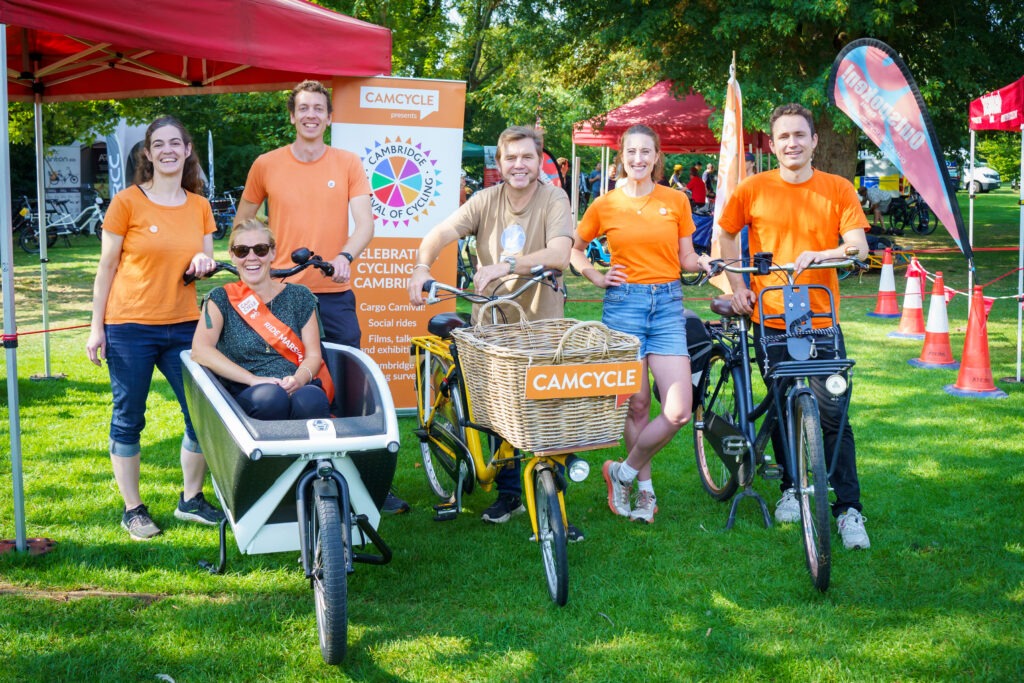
(748, 492)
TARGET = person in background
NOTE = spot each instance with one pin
(271, 376)
(310, 189)
(676, 181)
(142, 316)
(649, 230)
(518, 224)
(698, 192)
(751, 163)
(710, 178)
(799, 214)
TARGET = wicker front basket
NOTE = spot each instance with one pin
(494, 360)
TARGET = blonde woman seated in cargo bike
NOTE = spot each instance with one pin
(649, 229)
(272, 373)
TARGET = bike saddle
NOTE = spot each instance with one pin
(442, 324)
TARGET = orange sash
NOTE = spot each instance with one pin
(255, 313)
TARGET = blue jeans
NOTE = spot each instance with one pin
(653, 313)
(133, 350)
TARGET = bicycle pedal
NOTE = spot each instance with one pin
(445, 512)
(770, 472)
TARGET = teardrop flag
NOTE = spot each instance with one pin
(871, 84)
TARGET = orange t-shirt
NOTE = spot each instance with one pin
(159, 243)
(307, 205)
(643, 232)
(788, 219)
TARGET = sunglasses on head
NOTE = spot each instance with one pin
(242, 250)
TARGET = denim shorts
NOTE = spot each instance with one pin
(654, 313)
(133, 350)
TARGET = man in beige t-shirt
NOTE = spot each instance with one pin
(518, 224)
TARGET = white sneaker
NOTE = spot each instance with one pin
(618, 493)
(646, 506)
(851, 528)
(788, 507)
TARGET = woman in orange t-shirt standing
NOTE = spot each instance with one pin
(142, 316)
(649, 228)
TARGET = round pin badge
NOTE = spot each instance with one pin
(513, 239)
(153, 228)
(330, 183)
(663, 211)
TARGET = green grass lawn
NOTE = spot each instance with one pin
(938, 597)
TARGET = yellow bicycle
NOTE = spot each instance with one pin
(459, 453)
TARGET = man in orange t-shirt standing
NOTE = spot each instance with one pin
(310, 189)
(798, 214)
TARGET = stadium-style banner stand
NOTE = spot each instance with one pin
(1003, 109)
(65, 50)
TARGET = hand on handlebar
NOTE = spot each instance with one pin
(419, 277)
(487, 274)
(201, 265)
(342, 269)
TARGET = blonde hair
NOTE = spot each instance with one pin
(249, 226)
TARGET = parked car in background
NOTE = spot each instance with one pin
(983, 179)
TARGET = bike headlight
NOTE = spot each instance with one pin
(836, 385)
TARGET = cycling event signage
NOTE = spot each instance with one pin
(407, 133)
(594, 379)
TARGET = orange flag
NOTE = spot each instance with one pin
(731, 167)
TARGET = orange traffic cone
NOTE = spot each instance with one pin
(937, 353)
(886, 306)
(912, 322)
(975, 377)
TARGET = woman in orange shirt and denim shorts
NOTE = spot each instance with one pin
(649, 228)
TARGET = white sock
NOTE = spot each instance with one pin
(627, 474)
(647, 485)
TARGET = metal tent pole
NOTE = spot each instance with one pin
(10, 337)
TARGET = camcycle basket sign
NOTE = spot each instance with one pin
(572, 381)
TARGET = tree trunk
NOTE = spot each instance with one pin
(836, 152)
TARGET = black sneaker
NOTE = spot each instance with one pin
(503, 509)
(139, 524)
(198, 510)
(393, 505)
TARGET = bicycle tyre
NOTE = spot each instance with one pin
(715, 394)
(925, 221)
(330, 578)
(440, 467)
(29, 238)
(812, 490)
(551, 536)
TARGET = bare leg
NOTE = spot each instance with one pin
(672, 373)
(638, 415)
(193, 467)
(126, 474)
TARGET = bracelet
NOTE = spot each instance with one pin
(303, 367)
(421, 265)
(347, 255)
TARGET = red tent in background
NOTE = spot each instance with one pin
(106, 49)
(682, 124)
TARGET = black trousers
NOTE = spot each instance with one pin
(844, 479)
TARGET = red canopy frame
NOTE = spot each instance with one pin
(63, 50)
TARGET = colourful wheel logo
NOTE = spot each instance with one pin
(403, 181)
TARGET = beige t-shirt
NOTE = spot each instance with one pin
(501, 232)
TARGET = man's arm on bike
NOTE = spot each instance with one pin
(742, 298)
(430, 248)
(851, 238)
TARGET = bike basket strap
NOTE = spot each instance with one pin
(495, 360)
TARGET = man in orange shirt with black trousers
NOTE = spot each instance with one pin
(798, 214)
(310, 188)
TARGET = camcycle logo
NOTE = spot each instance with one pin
(570, 381)
(404, 181)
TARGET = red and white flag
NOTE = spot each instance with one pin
(731, 166)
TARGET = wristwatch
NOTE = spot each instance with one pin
(347, 255)
(511, 261)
